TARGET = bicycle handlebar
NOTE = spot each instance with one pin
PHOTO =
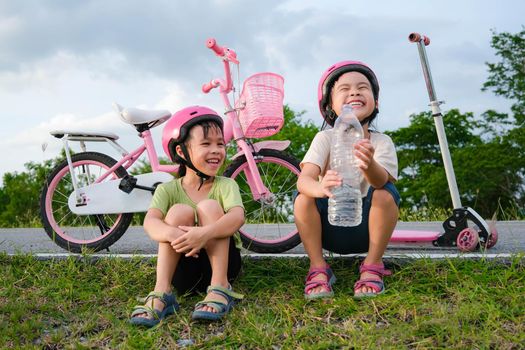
(222, 51)
(416, 37)
(207, 87)
(212, 44)
(227, 55)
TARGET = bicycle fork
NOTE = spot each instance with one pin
(253, 176)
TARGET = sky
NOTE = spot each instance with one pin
(64, 62)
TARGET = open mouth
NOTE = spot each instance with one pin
(356, 104)
(214, 161)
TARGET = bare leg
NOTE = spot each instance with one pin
(382, 221)
(208, 212)
(308, 223)
(168, 258)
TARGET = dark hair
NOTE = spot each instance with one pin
(206, 125)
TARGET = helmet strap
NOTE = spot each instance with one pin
(187, 162)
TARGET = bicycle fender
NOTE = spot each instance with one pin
(268, 144)
(107, 198)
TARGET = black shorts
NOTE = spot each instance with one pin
(193, 275)
(350, 240)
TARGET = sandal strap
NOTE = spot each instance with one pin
(219, 306)
(227, 293)
(155, 295)
(313, 284)
(375, 269)
(315, 271)
(144, 309)
(376, 285)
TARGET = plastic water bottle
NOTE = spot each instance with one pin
(345, 207)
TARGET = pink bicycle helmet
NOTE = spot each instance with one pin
(177, 130)
(328, 79)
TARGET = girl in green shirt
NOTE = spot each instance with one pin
(195, 219)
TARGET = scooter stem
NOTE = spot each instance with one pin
(421, 42)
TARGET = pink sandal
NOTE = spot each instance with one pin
(377, 285)
(311, 284)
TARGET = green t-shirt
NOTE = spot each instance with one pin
(224, 190)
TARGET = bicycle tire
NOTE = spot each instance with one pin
(67, 229)
(279, 172)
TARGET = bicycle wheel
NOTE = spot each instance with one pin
(70, 231)
(269, 226)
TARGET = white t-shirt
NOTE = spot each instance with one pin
(385, 154)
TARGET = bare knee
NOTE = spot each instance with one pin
(209, 210)
(381, 197)
(303, 206)
(209, 206)
(180, 214)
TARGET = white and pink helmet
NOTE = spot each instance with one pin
(177, 129)
(328, 79)
(178, 126)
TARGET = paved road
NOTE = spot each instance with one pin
(135, 241)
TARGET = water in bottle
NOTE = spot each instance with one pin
(345, 207)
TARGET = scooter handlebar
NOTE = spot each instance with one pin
(416, 37)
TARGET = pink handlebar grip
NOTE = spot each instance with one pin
(416, 37)
(207, 87)
(212, 44)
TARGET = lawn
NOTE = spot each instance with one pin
(85, 303)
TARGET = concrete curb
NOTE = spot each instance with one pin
(398, 258)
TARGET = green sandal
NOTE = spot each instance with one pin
(220, 307)
(154, 315)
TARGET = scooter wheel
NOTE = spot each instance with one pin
(468, 240)
(493, 238)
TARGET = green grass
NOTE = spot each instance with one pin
(451, 304)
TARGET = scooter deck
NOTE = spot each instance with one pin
(414, 236)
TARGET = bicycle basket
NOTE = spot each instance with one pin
(261, 104)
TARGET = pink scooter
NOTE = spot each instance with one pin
(465, 229)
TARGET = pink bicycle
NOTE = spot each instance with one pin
(88, 200)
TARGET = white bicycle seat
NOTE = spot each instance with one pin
(137, 116)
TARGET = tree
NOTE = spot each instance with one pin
(488, 168)
(507, 77)
(20, 194)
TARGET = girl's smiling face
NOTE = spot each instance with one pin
(206, 148)
(353, 88)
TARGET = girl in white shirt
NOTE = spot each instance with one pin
(354, 83)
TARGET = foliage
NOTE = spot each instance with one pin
(20, 194)
(507, 77)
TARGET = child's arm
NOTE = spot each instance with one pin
(157, 229)
(373, 172)
(309, 185)
(196, 237)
